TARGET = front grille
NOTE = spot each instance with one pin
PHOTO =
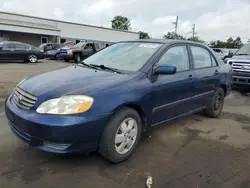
(241, 66)
(23, 99)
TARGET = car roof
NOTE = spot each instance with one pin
(12, 42)
(166, 41)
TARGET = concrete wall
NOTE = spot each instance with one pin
(74, 31)
(32, 39)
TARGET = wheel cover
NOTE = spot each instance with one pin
(33, 58)
(78, 58)
(126, 136)
(218, 102)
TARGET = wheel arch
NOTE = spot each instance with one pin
(138, 109)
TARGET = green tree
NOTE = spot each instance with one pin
(121, 23)
(173, 35)
(237, 43)
(196, 39)
(144, 35)
(229, 42)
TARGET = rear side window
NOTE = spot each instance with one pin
(201, 57)
(21, 47)
(8, 46)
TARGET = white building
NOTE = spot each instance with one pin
(35, 30)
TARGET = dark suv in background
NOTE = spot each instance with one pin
(80, 51)
(20, 51)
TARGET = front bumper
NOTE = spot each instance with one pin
(66, 56)
(79, 133)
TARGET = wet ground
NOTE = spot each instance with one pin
(195, 152)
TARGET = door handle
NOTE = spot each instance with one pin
(216, 72)
(190, 78)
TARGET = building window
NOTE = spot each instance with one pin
(63, 40)
(44, 40)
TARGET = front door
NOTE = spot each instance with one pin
(173, 94)
(207, 75)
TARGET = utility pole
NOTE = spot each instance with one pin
(176, 24)
(193, 31)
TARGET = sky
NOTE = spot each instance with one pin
(214, 19)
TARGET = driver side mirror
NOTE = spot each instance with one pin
(165, 69)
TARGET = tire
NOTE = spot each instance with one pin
(77, 58)
(67, 60)
(215, 106)
(108, 146)
(32, 58)
(57, 57)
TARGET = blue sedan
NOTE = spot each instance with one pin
(109, 100)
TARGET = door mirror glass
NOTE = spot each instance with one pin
(165, 69)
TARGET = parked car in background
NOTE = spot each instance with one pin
(230, 54)
(220, 52)
(11, 50)
(79, 52)
(50, 46)
(55, 53)
(240, 63)
(108, 101)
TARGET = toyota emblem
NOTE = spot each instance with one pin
(20, 98)
(245, 67)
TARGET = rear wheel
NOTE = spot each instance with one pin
(66, 60)
(32, 58)
(121, 136)
(77, 58)
(215, 106)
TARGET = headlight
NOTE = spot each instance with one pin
(71, 104)
(69, 52)
(41, 50)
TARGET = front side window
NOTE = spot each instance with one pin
(126, 56)
(176, 56)
(201, 56)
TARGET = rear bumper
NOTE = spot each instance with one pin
(78, 133)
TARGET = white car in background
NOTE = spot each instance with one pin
(220, 52)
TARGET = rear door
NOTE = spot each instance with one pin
(207, 72)
(22, 51)
(173, 94)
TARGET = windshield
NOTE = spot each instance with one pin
(79, 45)
(42, 45)
(244, 50)
(126, 56)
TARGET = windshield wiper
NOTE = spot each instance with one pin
(87, 65)
(107, 68)
(242, 54)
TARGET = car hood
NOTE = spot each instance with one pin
(71, 80)
(247, 57)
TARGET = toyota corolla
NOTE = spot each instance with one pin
(109, 100)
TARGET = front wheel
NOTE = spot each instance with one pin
(32, 58)
(77, 58)
(215, 106)
(121, 135)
